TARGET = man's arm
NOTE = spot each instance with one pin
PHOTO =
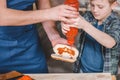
(50, 26)
(11, 17)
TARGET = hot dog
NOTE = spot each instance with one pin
(65, 53)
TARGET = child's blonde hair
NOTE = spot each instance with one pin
(110, 1)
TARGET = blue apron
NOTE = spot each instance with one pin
(20, 49)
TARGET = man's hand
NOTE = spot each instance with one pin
(59, 41)
(62, 13)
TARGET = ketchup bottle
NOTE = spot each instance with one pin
(73, 31)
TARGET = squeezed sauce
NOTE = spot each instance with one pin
(73, 31)
(65, 49)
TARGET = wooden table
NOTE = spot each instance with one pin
(72, 76)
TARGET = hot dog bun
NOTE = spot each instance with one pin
(65, 53)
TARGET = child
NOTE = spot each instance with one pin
(99, 39)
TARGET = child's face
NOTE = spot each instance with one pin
(100, 9)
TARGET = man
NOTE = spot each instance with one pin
(20, 48)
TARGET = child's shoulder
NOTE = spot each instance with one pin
(115, 15)
(88, 16)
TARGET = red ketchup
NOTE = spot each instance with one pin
(73, 31)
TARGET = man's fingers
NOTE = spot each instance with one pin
(64, 31)
(65, 27)
(70, 8)
(66, 20)
(71, 12)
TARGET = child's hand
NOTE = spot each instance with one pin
(65, 27)
(79, 22)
